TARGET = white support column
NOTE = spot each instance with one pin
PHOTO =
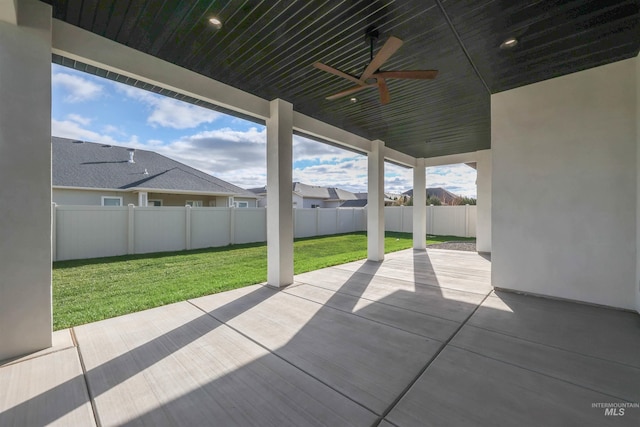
(25, 178)
(483, 183)
(279, 190)
(420, 205)
(375, 202)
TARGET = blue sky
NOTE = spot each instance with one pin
(94, 109)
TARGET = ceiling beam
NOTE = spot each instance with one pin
(323, 131)
(451, 159)
(398, 158)
(462, 46)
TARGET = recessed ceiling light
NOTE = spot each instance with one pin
(353, 99)
(215, 22)
(509, 43)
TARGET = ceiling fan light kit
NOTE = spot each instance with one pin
(372, 76)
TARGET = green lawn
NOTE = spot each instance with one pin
(89, 290)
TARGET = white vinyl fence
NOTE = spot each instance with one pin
(99, 231)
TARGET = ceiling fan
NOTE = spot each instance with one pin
(372, 76)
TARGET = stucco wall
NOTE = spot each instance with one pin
(564, 186)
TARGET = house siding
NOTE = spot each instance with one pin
(308, 203)
(63, 196)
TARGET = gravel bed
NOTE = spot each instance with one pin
(455, 246)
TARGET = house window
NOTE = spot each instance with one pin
(315, 206)
(111, 201)
(154, 202)
(242, 204)
(195, 203)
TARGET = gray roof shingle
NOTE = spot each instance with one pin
(91, 165)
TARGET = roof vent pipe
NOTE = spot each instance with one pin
(131, 153)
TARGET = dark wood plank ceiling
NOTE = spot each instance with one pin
(267, 48)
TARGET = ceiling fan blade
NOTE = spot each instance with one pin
(389, 48)
(336, 72)
(409, 74)
(384, 92)
(349, 91)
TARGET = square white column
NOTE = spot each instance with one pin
(25, 180)
(279, 194)
(375, 202)
(483, 184)
(419, 205)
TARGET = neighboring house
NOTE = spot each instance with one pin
(362, 200)
(445, 197)
(310, 196)
(314, 196)
(86, 173)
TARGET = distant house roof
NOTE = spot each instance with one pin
(318, 192)
(258, 191)
(90, 165)
(357, 203)
(445, 196)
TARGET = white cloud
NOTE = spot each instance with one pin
(74, 130)
(459, 179)
(78, 89)
(113, 130)
(79, 119)
(168, 112)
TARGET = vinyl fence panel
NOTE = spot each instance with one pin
(99, 231)
(90, 231)
(159, 229)
(305, 222)
(210, 227)
(250, 225)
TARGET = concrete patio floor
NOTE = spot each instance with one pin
(420, 339)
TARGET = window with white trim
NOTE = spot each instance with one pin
(111, 201)
(242, 204)
(194, 203)
(154, 202)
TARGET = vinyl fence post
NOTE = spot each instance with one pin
(294, 217)
(187, 223)
(232, 225)
(130, 231)
(353, 219)
(431, 230)
(317, 221)
(466, 220)
(54, 256)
